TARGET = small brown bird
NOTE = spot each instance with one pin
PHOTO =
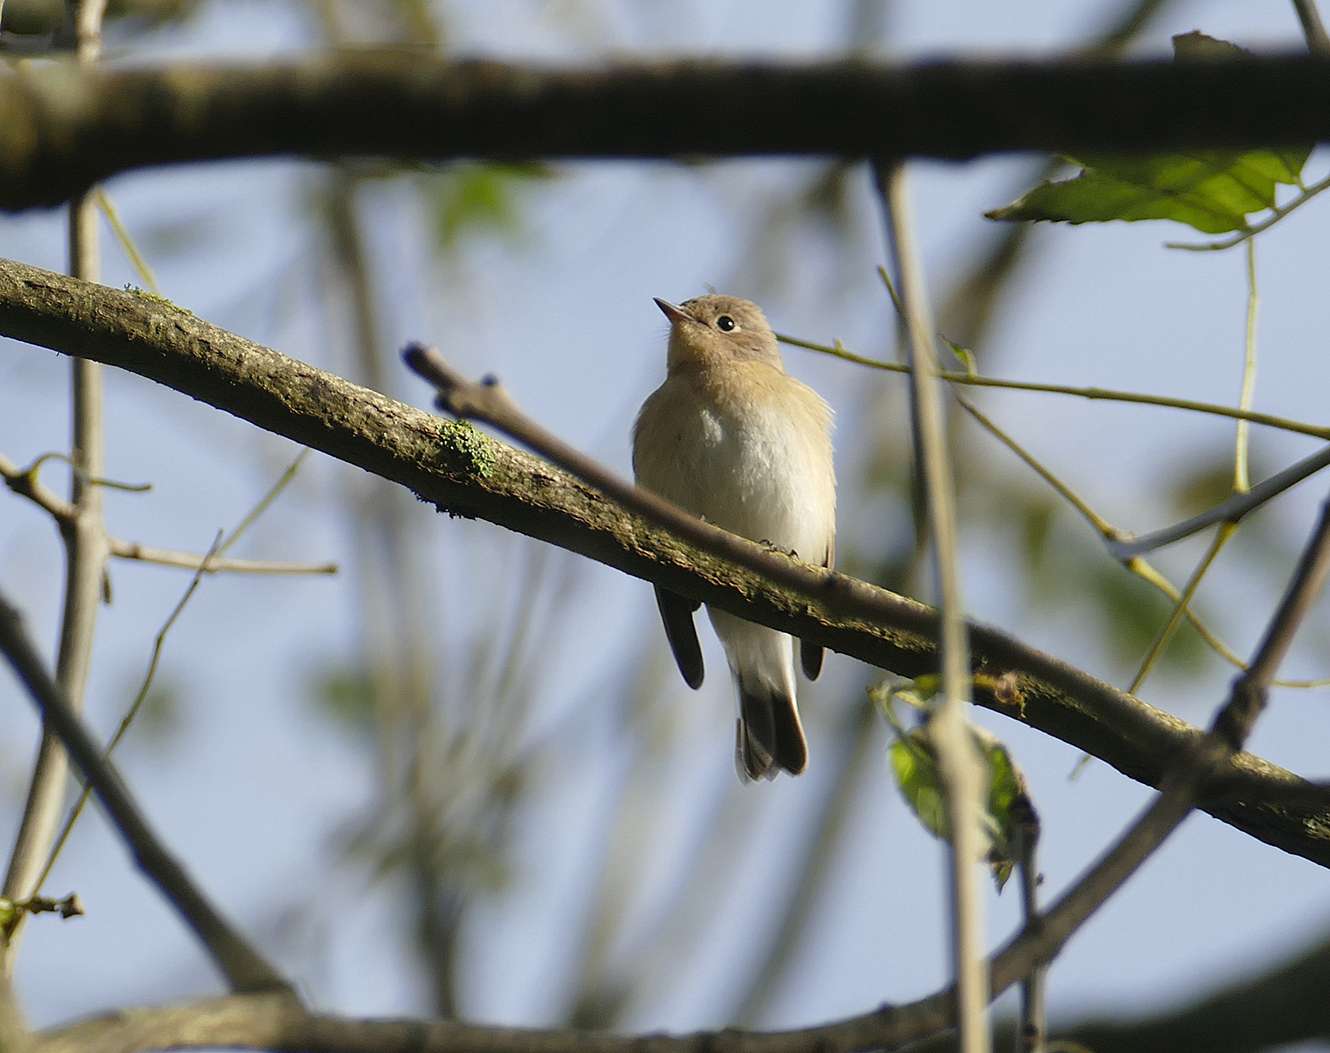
(734, 439)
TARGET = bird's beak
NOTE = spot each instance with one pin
(670, 311)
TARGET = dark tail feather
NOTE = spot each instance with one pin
(769, 734)
(810, 656)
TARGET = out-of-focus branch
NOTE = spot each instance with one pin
(1280, 1006)
(168, 557)
(1312, 27)
(244, 968)
(60, 130)
(462, 471)
(84, 534)
(1033, 1025)
(958, 762)
(1230, 510)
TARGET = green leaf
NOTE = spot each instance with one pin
(480, 198)
(919, 783)
(1213, 191)
(913, 762)
(964, 354)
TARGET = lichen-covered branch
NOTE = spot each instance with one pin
(62, 130)
(461, 471)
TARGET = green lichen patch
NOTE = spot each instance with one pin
(459, 440)
(157, 298)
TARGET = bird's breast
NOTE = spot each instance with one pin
(753, 459)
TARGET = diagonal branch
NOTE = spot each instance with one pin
(459, 470)
(244, 968)
(61, 130)
(959, 765)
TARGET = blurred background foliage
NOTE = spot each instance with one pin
(460, 636)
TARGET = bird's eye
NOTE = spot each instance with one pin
(725, 324)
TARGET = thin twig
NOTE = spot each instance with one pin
(136, 258)
(1246, 390)
(85, 546)
(1312, 29)
(24, 482)
(1034, 1022)
(1316, 431)
(167, 557)
(958, 763)
(244, 968)
(1228, 511)
(1276, 214)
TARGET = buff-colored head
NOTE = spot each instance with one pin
(714, 330)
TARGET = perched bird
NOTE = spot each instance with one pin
(734, 439)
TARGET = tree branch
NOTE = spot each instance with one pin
(25, 483)
(962, 770)
(61, 130)
(84, 535)
(461, 471)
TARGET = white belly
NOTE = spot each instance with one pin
(755, 473)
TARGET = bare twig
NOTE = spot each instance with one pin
(959, 765)
(1094, 394)
(85, 547)
(1137, 565)
(1278, 213)
(167, 557)
(70, 906)
(25, 483)
(1034, 1024)
(1312, 28)
(239, 962)
(1229, 510)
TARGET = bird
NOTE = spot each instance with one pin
(735, 440)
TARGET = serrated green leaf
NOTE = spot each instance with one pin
(1212, 191)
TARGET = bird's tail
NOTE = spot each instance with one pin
(769, 735)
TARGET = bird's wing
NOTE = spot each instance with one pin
(677, 613)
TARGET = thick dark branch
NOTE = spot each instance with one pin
(463, 472)
(61, 130)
